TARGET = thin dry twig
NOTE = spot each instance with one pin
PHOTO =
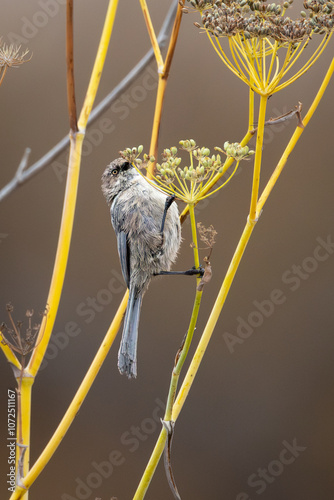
(286, 116)
(72, 109)
(208, 236)
(13, 336)
(10, 57)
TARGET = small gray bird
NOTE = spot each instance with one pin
(146, 223)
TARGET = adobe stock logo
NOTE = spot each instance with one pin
(292, 278)
(31, 27)
(129, 442)
(263, 477)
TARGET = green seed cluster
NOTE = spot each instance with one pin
(188, 144)
(202, 166)
(257, 18)
(166, 170)
(132, 154)
(236, 151)
(170, 168)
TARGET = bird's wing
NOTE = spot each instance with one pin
(124, 255)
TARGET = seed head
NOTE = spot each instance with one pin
(10, 56)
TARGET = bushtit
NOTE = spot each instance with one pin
(147, 226)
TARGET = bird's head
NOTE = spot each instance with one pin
(118, 176)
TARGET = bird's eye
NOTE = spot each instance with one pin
(114, 171)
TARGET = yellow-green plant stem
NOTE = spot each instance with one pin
(63, 248)
(251, 110)
(258, 157)
(98, 64)
(186, 385)
(248, 60)
(189, 378)
(30, 371)
(76, 403)
(70, 196)
(194, 235)
(194, 365)
(190, 375)
(151, 466)
(213, 318)
(182, 357)
(219, 303)
(182, 354)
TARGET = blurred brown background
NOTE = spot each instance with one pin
(275, 389)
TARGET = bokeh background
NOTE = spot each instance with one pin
(250, 401)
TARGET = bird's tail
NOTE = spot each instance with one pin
(127, 354)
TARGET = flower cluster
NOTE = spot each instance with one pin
(257, 31)
(257, 18)
(202, 165)
(189, 182)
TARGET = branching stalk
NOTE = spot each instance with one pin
(99, 109)
(226, 285)
(75, 405)
(249, 63)
(152, 35)
(189, 378)
(62, 255)
(70, 196)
